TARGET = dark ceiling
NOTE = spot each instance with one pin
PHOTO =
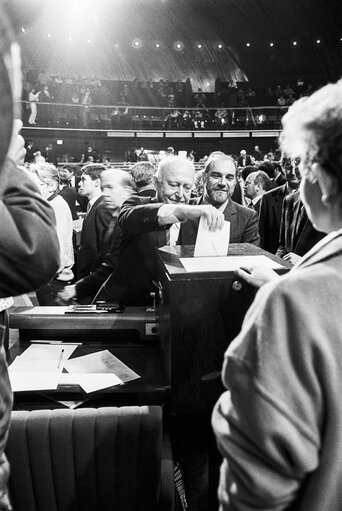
(111, 25)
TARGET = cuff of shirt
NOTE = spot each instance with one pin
(166, 214)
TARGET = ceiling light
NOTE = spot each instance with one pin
(294, 43)
(318, 41)
(23, 30)
(271, 44)
(220, 46)
(248, 45)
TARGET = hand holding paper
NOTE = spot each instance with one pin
(211, 243)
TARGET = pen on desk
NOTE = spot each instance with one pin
(60, 359)
(58, 342)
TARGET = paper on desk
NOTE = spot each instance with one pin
(211, 243)
(52, 352)
(228, 263)
(90, 382)
(101, 362)
(32, 375)
(38, 367)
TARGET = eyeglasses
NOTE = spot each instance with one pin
(291, 162)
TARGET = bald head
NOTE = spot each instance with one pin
(174, 180)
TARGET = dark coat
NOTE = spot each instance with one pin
(243, 225)
(271, 204)
(297, 233)
(94, 228)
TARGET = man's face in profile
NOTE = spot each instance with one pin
(220, 181)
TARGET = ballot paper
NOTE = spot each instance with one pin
(227, 263)
(38, 367)
(211, 243)
(99, 370)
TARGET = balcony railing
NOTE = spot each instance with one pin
(122, 117)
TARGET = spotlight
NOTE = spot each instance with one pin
(248, 45)
(294, 43)
(157, 45)
(271, 44)
(220, 46)
(49, 35)
(179, 46)
(136, 43)
(89, 41)
(318, 41)
(23, 30)
(69, 38)
(199, 46)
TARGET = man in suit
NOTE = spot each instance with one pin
(220, 178)
(256, 184)
(148, 223)
(96, 221)
(297, 234)
(271, 206)
(117, 186)
(244, 159)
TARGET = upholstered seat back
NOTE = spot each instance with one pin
(86, 459)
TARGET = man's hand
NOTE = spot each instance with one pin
(292, 258)
(256, 276)
(214, 217)
(68, 293)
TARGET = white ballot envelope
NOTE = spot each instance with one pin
(211, 243)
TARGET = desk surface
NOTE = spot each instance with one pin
(53, 323)
(150, 388)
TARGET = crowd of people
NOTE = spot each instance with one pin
(84, 100)
(279, 424)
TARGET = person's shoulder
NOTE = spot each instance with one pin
(243, 210)
(138, 200)
(274, 192)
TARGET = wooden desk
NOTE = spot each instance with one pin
(144, 359)
(199, 315)
(52, 323)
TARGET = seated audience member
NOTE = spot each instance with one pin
(47, 179)
(148, 223)
(256, 184)
(142, 174)
(257, 154)
(28, 240)
(220, 178)
(271, 205)
(279, 425)
(117, 186)
(142, 154)
(297, 234)
(96, 221)
(67, 189)
(244, 159)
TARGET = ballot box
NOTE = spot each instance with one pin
(200, 311)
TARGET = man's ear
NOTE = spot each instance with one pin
(327, 183)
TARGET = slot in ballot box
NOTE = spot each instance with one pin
(200, 313)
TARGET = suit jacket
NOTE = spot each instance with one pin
(29, 258)
(88, 286)
(297, 233)
(284, 371)
(69, 194)
(243, 225)
(131, 281)
(94, 228)
(271, 204)
(248, 161)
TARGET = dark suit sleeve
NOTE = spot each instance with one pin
(89, 285)
(251, 233)
(281, 251)
(263, 213)
(29, 249)
(138, 215)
